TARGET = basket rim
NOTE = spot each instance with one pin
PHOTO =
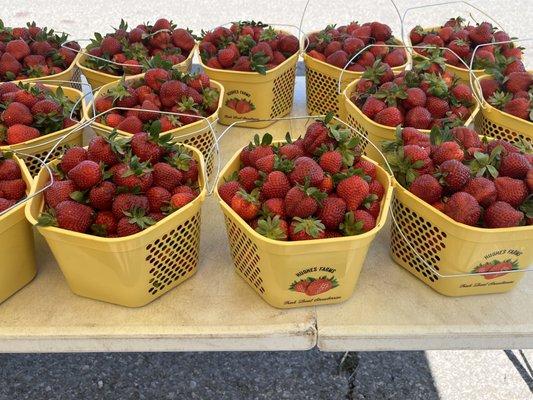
(73, 65)
(26, 176)
(83, 54)
(199, 199)
(354, 74)
(213, 117)
(380, 222)
(460, 225)
(61, 132)
(474, 110)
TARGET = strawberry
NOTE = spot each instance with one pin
(155, 77)
(273, 228)
(390, 116)
(113, 120)
(46, 107)
(395, 58)
(101, 196)
(131, 124)
(353, 190)
(357, 222)
(227, 57)
(299, 286)
(488, 87)
(14, 189)
(59, 191)
(133, 176)
(21, 133)
(104, 103)
(5, 204)
(375, 187)
(367, 167)
(306, 168)
(514, 165)
(331, 161)
(133, 222)
(447, 151)
(86, 174)
(104, 224)
(183, 39)
(529, 179)
(26, 98)
(258, 149)
(17, 113)
(106, 150)
(454, 175)
(502, 215)
(466, 137)
(274, 206)
(418, 117)
(149, 146)
(321, 285)
(180, 200)
(463, 208)
(518, 107)
(245, 205)
(481, 34)
(273, 162)
(9, 66)
(332, 212)
(18, 49)
(518, 81)
(483, 190)
(228, 189)
(437, 107)
(247, 178)
(315, 136)
(302, 201)
(306, 229)
(372, 106)
(166, 176)
(72, 157)
(275, 185)
(427, 188)
(509, 190)
(172, 92)
(412, 136)
(415, 97)
(110, 46)
(125, 202)
(9, 169)
(74, 216)
(184, 189)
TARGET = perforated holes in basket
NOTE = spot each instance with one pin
(174, 256)
(35, 166)
(245, 255)
(283, 93)
(427, 239)
(492, 129)
(362, 132)
(322, 94)
(76, 77)
(204, 142)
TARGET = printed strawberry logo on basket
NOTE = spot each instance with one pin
(241, 106)
(496, 266)
(314, 286)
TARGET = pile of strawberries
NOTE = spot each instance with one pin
(160, 89)
(418, 99)
(12, 186)
(137, 46)
(30, 111)
(33, 52)
(247, 46)
(313, 188)
(462, 38)
(120, 186)
(337, 45)
(476, 182)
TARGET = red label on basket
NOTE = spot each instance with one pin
(497, 261)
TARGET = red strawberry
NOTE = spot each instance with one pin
(437, 107)
(331, 161)
(375, 187)
(332, 212)
(463, 208)
(227, 57)
(427, 188)
(183, 39)
(288, 45)
(466, 137)
(463, 93)
(316, 135)
(247, 178)
(102, 104)
(133, 176)
(166, 176)
(305, 167)
(46, 107)
(512, 191)
(158, 198)
(300, 286)
(133, 222)
(245, 205)
(74, 216)
(110, 46)
(243, 107)
(338, 59)
(514, 165)
(455, 175)
(17, 113)
(529, 180)
(9, 66)
(105, 150)
(155, 77)
(113, 120)
(390, 116)
(104, 224)
(72, 157)
(381, 32)
(302, 201)
(320, 285)
(273, 228)
(125, 202)
(227, 190)
(25, 98)
(518, 81)
(18, 49)
(14, 189)
(131, 124)
(502, 215)
(147, 147)
(412, 136)
(276, 184)
(357, 222)
(86, 174)
(395, 58)
(172, 92)
(519, 107)
(9, 169)
(290, 151)
(372, 106)
(5, 204)
(447, 151)
(488, 87)
(353, 190)
(415, 97)
(481, 34)
(274, 206)
(483, 190)
(101, 196)
(418, 117)
(367, 167)
(21, 133)
(306, 229)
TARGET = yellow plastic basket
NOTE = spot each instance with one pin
(374, 132)
(444, 254)
(322, 85)
(131, 271)
(268, 96)
(98, 79)
(17, 268)
(198, 134)
(497, 124)
(270, 267)
(41, 146)
(69, 77)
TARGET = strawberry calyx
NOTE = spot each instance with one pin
(404, 169)
(135, 166)
(259, 141)
(527, 206)
(180, 159)
(47, 218)
(270, 228)
(351, 226)
(486, 165)
(311, 226)
(137, 216)
(258, 62)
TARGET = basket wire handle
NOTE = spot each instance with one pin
(339, 83)
(475, 83)
(407, 10)
(32, 195)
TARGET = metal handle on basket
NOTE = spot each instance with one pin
(45, 165)
(475, 81)
(339, 83)
(407, 10)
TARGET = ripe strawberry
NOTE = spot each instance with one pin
(463, 208)
(104, 103)
(18, 49)
(9, 169)
(372, 106)
(466, 137)
(306, 229)
(512, 191)
(132, 176)
(367, 167)
(514, 165)
(447, 151)
(301, 201)
(113, 119)
(228, 189)
(26, 98)
(338, 59)
(395, 58)
(488, 87)
(299, 286)
(227, 57)
(454, 175)
(290, 151)
(437, 107)
(184, 189)
(482, 33)
(148, 147)
(183, 39)
(5, 204)
(9, 65)
(131, 124)
(412, 136)
(502, 215)
(353, 190)
(305, 167)
(106, 150)
(332, 212)
(59, 191)
(21, 133)
(166, 176)
(507, 147)
(327, 184)
(172, 92)
(529, 180)
(418, 117)
(357, 222)
(46, 107)
(427, 188)
(245, 205)
(380, 32)
(315, 136)
(518, 107)
(133, 222)
(74, 216)
(276, 184)
(86, 174)
(463, 94)
(17, 113)
(390, 116)
(331, 161)
(72, 157)
(317, 55)
(320, 285)
(247, 178)
(273, 228)
(518, 81)
(104, 224)
(180, 200)
(375, 187)
(101, 196)
(110, 46)
(415, 97)
(273, 207)
(155, 77)
(125, 202)
(483, 190)
(14, 189)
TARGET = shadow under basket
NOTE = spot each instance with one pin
(250, 95)
(16, 246)
(131, 271)
(273, 268)
(451, 248)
